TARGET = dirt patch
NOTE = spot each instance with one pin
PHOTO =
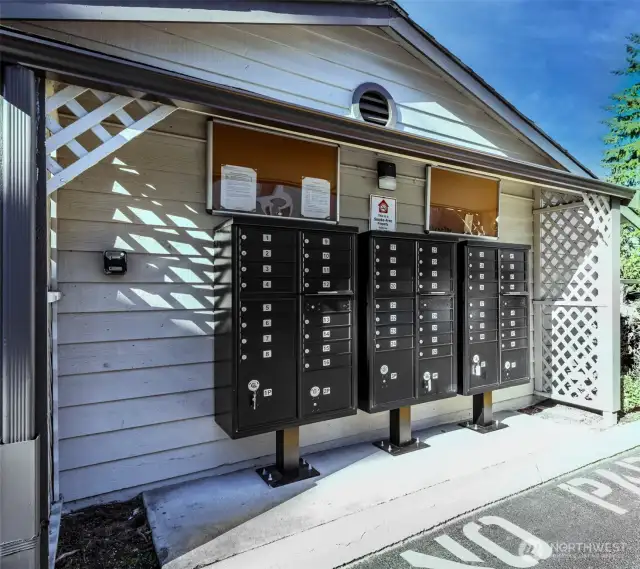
(110, 536)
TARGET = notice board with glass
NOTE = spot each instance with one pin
(462, 203)
(262, 173)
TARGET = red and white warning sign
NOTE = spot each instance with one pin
(382, 213)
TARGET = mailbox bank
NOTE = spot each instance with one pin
(407, 325)
(494, 319)
(284, 357)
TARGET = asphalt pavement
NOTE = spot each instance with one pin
(589, 519)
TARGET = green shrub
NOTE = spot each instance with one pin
(630, 392)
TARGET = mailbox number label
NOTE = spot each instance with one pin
(326, 270)
(482, 315)
(393, 317)
(434, 261)
(434, 327)
(326, 255)
(266, 308)
(326, 362)
(513, 333)
(326, 319)
(512, 323)
(266, 252)
(326, 391)
(434, 352)
(482, 336)
(434, 315)
(392, 286)
(513, 313)
(392, 273)
(393, 343)
(512, 276)
(266, 268)
(512, 287)
(326, 333)
(482, 265)
(434, 285)
(482, 303)
(266, 323)
(481, 287)
(481, 254)
(266, 284)
(434, 273)
(393, 331)
(326, 284)
(511, 256)
(434, 339)
(267, 392)
(326, 241)
(481, 325)
(266, 354)
(266, 338)
(513, 344)
(434, 249)
(481, 276)
(392, 247)
(394, 375)
(266, 237)
(392, 305)
(512, 266)
(326, 347)
(392, 260)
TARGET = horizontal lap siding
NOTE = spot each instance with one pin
(136, 352)
(316, 67)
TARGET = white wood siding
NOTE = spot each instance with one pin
(135, 352)
(317, 67)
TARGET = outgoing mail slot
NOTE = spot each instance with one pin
(327, 270)
(394, 331)
(479, 336)
(393, 304)
(513, 344)
(326, 348)
(382, 318)
(435, 351)
(435, 376)
(326, 256)
(513, 312)
(327, 320)
(435, 303)
(324, 391)
(326, 334)
(326, 305)
(383, 344)
(427, 340)
(515, 365)
(483, 314)
(507, 255)
(267, 285)
(513, 287)
(427, 316)
(435, 327)
(313, 363)
(320, 240)
(480, 253)
(483, 303)
(513, 323)
(426, 286)
(482, 289)
(311, 286)
(514, 302)
(393, 287)
(266, 270)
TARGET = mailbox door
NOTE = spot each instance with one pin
(324, 391)
(515, 364)
(435, 377)
(393, 378)
(482, 365)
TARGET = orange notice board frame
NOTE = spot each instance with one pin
(459, 203)
(279, 167)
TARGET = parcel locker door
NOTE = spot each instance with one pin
(324, 391)
(515, 364)
(482, 365)
(267, 385)
(435, 377)
(393, 377)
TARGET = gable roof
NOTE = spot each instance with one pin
(383, 13)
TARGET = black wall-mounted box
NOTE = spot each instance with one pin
(494, 311)
(285, 324)
(407, 319)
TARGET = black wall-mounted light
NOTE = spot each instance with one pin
(115, 262)
(386, 176)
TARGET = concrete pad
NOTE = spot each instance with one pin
(228, 517)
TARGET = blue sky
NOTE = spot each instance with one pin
(551, 58)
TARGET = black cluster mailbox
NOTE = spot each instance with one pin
(285, 332)
(408, 327)
(494, 320)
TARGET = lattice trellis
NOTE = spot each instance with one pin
(574, 237)
(87, 109)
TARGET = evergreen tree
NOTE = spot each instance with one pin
(622, 158)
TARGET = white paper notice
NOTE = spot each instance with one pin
(316, 198)
(238, 188)
(382, 213)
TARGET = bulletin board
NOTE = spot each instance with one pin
(261, 173)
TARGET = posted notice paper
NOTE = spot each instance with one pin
(316, 198)
(238, 188)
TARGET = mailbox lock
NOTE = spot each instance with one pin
(244, 237)
(426, 376)
(306, 322)
(244, 324)
(244, 357)
(507, 365)
(384, 370)
(244, 309)
(306, 365)
(315, 391)
(244, 340)
(476, 358)
(306, 351)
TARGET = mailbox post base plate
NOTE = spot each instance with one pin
(397, 450)
(484, 429)
(275, 478)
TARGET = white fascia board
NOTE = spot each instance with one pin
(405, 31)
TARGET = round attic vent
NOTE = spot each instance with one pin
(373, 104)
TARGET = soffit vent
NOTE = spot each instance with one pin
(374, 105)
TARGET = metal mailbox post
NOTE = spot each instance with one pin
(285, 314)
(408, 327)
(494, 317)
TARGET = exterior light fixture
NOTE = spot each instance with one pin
(386, 176)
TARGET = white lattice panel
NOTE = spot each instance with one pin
(574, 236)
(85, 110)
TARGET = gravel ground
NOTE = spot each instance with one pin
(109, 536)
